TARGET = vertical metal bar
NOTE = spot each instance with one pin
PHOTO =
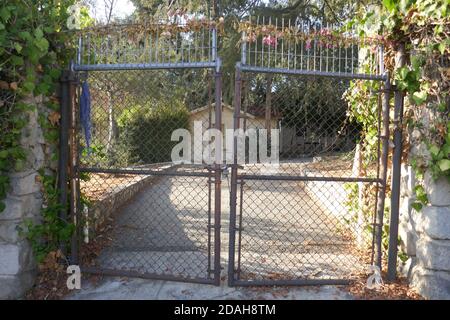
(233, 187)
(209, 223)
(63, 160)
(377, 185)
(74, 190)
(244, 49)
(241, 209)
(79, 49)
(396, 172)
(384, 158)
(209, 173)
(218, 173)
(395, 187)
(381, 59)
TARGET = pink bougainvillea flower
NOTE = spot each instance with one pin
(270, 41)
(308, 44)
(325, 32)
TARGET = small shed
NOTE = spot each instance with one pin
(255, 117)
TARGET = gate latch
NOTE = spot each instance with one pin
(225, 172)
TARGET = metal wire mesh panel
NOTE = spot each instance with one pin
(189, 42)
(308, 130)
(309, 47)
(306, 203)
(142, 213)
(134, 113)
(292, 230)
(163, 230)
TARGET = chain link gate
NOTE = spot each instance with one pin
(138, 213)
(290, 222)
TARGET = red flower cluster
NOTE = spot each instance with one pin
(270, 41)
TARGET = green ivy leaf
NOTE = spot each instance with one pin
(42, 44)
(434, 150)
(442, 46)
(419, 97)
(38, 33)
(18, 47)
(390, 5)
(444, 165)
(417, 206)
(29, 86)
(5, 14)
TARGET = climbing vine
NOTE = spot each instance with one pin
(34, 47)
(423, 27)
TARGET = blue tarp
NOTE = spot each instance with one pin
(85, 113)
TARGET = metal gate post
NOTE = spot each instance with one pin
(66, 81)
(233, 187)
(384, 159)
(396, 170)
(74, 175)
(395, 192)
(217, 173)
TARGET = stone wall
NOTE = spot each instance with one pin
(24, 201)
(425, 236)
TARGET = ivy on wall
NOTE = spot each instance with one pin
(423, 26)
(34, 47)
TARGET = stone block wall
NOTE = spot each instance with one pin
(425, 236)
(24, 201)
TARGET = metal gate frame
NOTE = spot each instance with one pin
(68, 164)
(238, 179)
(71, 156)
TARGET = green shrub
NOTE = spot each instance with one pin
(146, 130)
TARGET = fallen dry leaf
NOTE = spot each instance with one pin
(54, 117)
(4, 85)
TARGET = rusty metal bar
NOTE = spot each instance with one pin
(395, 188)
(383, 168)
(308, 178)
(234, 174)
(63, 159)
(396, 170)
(144, 172)
(144, 275)
(217, 174)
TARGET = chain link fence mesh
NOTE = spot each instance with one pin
(143, 214)
(311, 215)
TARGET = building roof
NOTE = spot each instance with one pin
(252, 112)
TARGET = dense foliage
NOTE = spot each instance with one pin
(422, 27)
(147, 131)
(34, 46)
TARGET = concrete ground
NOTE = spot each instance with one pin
(115, 288)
